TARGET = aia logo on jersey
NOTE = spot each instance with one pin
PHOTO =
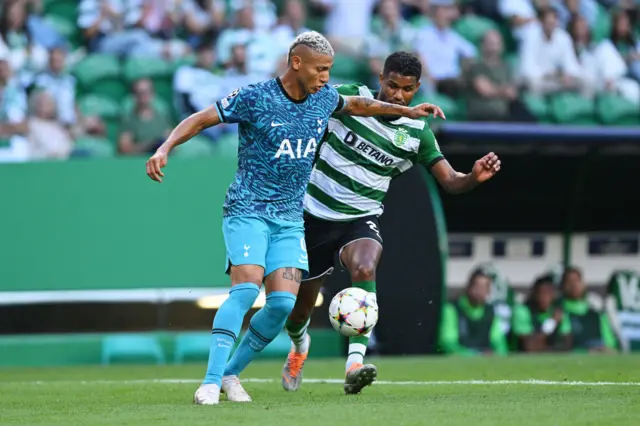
(297, 150)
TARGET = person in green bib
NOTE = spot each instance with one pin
(538, 325)
(590, 329)
(469, 325)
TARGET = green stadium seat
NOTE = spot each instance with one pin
(191, 345)
(101, 74)
(602, 26)
(538, 106)
(136, 68)
(571, 108)
(66, 9)
(347, 68)
(99, 105)
(94, 147)
(199, 146)
(65, 27)
(131, 347)
(104, 107)
(420, 21)
(473, 27)
(613, 109)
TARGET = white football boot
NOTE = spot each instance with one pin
(234, 390)
(207, 395)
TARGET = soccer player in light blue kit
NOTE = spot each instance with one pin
(281, 122)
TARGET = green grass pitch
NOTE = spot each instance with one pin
(518, 390)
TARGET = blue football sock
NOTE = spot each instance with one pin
(226, 326)
(265, 326)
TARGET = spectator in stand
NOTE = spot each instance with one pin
(57, 81)
(493, 94)
(116, 27)
(261, 55)
(521, 16)
(590, 329)
(539, 324)
(264, 12)
(548, 62)
(26, 57)
(603, 68)
(13, 116)
(147, 126)
(347, 23)
(443, 50)
(294, 15)
(389, 33)
(201, 18)
(623, 39)
(567, 9)
(470, 325)
(48, 138)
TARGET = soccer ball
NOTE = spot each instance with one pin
(353, 311)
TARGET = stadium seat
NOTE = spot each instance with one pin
(104, 107)
(602, 26)
(94, 147)
(473, 28)
(571, 108)
(131, 347)
(136, 68)
(538, 106)
(100, 74)
(346, 68)
(199, 146)
(613, 109)
(191, 345)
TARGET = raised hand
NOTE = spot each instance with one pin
(486, 167)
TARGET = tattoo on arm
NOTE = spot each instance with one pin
(292, 274)
(368, 106)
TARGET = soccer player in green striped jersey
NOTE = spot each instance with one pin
(355, 165)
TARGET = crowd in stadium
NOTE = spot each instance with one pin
(96, 78)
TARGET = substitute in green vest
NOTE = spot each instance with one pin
(469, 325)
(538, 325)
(591, 330)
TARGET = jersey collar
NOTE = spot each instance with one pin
(284, 92)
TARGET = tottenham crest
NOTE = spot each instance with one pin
(401, 137)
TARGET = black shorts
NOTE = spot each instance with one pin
(326, 240)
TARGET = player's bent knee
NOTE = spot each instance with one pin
(280, 304)
(365, 271)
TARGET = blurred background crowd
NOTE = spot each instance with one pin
(99, 78)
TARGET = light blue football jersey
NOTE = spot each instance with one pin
(278, 140)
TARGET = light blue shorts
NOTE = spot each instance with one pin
(272, 244)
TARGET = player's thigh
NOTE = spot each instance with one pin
(323, 242)
(362, 248)
(287, 261)
(246, 240)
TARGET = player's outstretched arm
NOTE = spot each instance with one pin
(367, 107)
(455, 182)
(187, 129)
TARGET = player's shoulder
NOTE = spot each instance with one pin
(353, 89)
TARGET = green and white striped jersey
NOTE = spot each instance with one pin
(360, 156)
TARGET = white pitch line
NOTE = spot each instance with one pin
(339, 381)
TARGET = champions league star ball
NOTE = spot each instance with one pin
(353, 312)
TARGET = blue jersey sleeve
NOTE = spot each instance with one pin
(237, 107)
(340, 102)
